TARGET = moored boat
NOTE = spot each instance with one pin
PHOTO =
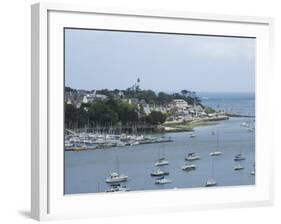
(159, 173)
(117, 188)
(216, 153)
(162, 180)
(162, 162)
(189, 167)
(210, 183)
(192, 156)
(238, 167)
(116, 178)
(239, 157)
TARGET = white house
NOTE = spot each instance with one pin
(180, 103)
(89, 98)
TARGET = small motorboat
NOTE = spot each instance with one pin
(135, 143)
(162, 180)
(189, 167)
(238, 167)
(115, 178)
(117, 188)
(158, 173)
(239, 157)
(215, 153)
(192, 156)
(210, 183)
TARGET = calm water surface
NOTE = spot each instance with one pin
(86, 171)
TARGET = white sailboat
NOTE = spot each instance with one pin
(254, 171)
(216, 152)
(211, 182)
(115, 177)
(161, 161)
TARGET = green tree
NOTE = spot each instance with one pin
(184, 92)
(100, 113)
(156, 117)
(75, 117)
(127, 113)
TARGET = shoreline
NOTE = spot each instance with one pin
(188, 126)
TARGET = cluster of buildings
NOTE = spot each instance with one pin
(178, 109)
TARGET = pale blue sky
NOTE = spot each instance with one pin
(163, 62)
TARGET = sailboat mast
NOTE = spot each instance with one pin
(218, 139)
(212, 168)
(117, 164)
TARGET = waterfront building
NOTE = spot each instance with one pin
(180, 103)
(92, 97)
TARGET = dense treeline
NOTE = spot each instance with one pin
(109, 113)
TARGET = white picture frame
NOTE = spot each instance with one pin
(48, 201)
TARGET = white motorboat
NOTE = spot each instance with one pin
(216, 153)
(162, 180)
(188, 167)
(117, 188)
(159, 173)
(135, 143)
(239, 157)
(120, 144)
(250, 129)
(210, 183)
(192, 156)
(192, 135)
(116, 178)
(161, 162)
(238, 167)
(245, 124)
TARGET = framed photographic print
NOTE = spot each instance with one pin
(148, 111)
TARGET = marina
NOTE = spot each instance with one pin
(90, 141)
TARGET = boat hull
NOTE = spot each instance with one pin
(159, 174)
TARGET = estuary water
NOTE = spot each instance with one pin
(240, 103)
(86, 171)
